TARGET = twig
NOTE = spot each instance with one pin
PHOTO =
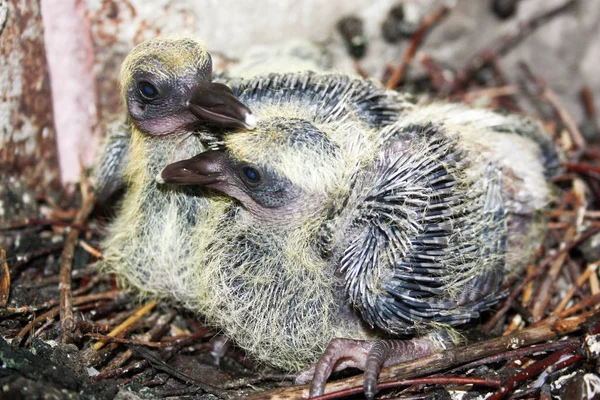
(128, 322)
(154, 334)
(546, 288)
(587, 302)
(90, 249)
(487, 327)
(587, 99)
(526, 351)
(23, 260)
(585, 168)
(434, 380)
(435, 72)
(532, 370)
(546, 94)
(4, 278)
(415, 41)
(158, 363)
(16, 341)
(360, 70)
(525, 28)
(49, 280)
(492, 92)
(112, 339)
(52, 303)
(67, 322)
(591, 269)
(27, 222)
(502, 45)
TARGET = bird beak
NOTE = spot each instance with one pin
(205, 169)
(215, 103)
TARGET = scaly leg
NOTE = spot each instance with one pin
(369, 356)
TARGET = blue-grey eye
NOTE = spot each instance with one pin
(148, 90)
(251, 174)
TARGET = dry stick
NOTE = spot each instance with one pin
(582, 168)
(4, 279)
(158, 363)
(591, 269)
(49, 321)
(508, 302)
(434, 380)
(532, 370)
(444, 360)
(51, 303)
(34, 254)
(545, 290)
(154, 334)
(360, 70)
(526, 351)
(587, 302)
(525, 28)
(67, 322)
(55, 311)
(27, 222)
(587, 99)
(491, 92)
(434, 72)
(16, 341)
(539, 269)
(415, 41)
(505, 43)
(546, 94)
(528, 291)
(128, 322)
(144, 363)
(90, 249)
(50, 280)
(111, 339)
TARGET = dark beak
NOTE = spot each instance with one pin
(205, 169)
(216, 104)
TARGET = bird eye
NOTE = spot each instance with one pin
(148, 90)
(251, 174)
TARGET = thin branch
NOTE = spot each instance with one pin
(67, 322)
(415, 41)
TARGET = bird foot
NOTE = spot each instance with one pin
(369, 356)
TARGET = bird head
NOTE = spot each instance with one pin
(166, 84)
(288, 169)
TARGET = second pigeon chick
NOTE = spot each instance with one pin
(357, 223)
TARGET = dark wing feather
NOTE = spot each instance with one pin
(329, 97)
(428, 243)
(109, 171)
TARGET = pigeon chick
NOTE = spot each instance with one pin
(166, 85)
(354, 226)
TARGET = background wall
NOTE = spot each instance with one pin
(564, 52)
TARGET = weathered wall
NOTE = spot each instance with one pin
(565, 51)
(27, 140)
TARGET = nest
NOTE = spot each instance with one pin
(67, 331)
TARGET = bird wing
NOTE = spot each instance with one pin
(328, 97)
(428, 240)
(108, 174)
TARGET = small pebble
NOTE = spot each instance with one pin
(395, 27)
(351, 29)
(504, 9)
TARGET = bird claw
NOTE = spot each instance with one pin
(369, 356)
